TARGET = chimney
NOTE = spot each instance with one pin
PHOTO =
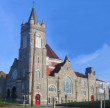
(89, 70)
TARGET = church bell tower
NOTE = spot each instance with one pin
(32, 59)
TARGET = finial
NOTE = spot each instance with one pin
(33, 3)
(23, 22)
(43, 22)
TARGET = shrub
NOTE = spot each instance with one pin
(86, 104)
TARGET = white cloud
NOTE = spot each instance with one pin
(87, 58)
(99, 60)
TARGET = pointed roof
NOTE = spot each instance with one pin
(51, 53)
(33, 16)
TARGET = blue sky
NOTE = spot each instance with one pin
(79, 29)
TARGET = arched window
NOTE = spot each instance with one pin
(52, 88)
(38, 41)
(67, 85)
(38, 74)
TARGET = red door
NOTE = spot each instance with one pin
(37, 102)
(92, 97)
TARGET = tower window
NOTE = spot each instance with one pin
(38, 41)
(38, 74)
(24, 73)
(38, 86)
(24, 41)
(23, 86)
(38, 59)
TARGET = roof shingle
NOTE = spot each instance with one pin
(80, 75)
(51, 53)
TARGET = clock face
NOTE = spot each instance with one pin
(14, 75)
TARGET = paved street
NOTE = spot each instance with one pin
(34, 107)
(40, 106)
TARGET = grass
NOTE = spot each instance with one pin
(86, 104)
(2, 104)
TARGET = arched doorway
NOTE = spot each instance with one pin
(13, 92)
(8, 93)
(92, 97)
(37, 99)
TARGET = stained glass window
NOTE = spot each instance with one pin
(67, 85)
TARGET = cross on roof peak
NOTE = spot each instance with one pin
(33, 3)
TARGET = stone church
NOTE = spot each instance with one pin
(39, 75)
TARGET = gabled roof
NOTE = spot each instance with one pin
(33, 16)
(3, 74)
(51, 53)
(58, 67)
(99, 80)
(80, 75)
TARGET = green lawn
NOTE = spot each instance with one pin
(2, 104)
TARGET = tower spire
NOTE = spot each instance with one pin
(33, 3)
(33, 14)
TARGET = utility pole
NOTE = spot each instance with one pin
(104, 97)
(66, 99)
(33, 70)
(58, 89)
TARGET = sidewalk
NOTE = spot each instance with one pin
(38, 106)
